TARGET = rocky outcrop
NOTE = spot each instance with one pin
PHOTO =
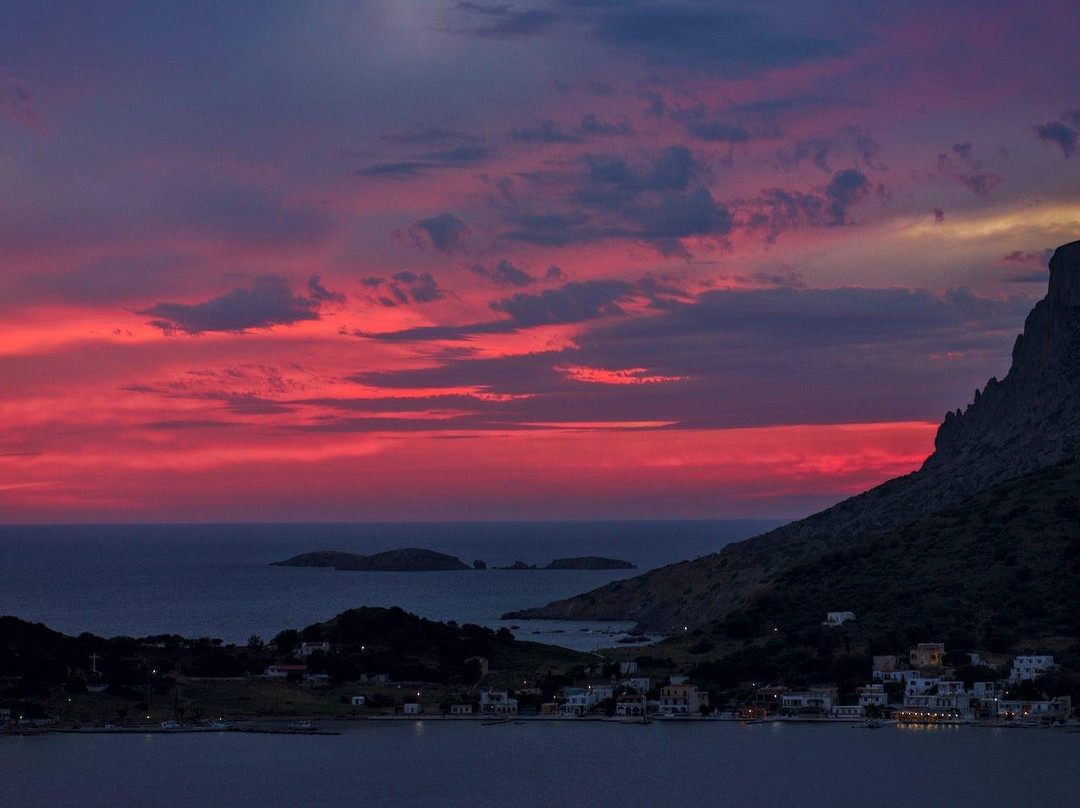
(1027, 421)
(407, 560)
(590, 563)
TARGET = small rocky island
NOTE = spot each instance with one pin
(413, 559)
(577, 563)
(590, 563)
(410, 559)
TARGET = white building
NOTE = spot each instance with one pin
(358, 701)
(309, 648)
(283, 671)
(803, 703)
(639, 683)
(951, 687)
(945, 695)
(581, 700)
(630, 705)
(498, 702)
(411, 708)
(1057, 709)
(1026, 668)
(847, 712)
(682, 699)
(872, 696)
(920, 685)
(461, 709)
(887, 677)
(984, 690)
(833, 619)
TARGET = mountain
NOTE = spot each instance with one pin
(1028, 421)
(407, 560)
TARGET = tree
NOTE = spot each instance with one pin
(286, 641)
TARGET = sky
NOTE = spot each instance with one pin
(560, 259)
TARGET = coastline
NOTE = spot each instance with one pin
(317, 725)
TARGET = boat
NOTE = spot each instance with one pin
(870, 723)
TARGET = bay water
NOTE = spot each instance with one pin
(208, 580)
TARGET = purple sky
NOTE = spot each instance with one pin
(432, 260)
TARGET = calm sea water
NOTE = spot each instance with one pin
(550, 764)
(216, 580)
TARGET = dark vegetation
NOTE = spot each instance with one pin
(38, 664)
(998, 569)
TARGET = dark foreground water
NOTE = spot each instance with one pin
(216, 580)
(434, 763)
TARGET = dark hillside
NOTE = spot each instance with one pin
(1028, 421)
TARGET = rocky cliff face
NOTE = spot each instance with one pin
(1030, 419)
(1027, 421)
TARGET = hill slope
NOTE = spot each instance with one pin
(1028, 421)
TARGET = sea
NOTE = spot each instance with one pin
(217, 581)
(442, 762)
(212, 580)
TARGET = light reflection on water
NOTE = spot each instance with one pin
(546, 763)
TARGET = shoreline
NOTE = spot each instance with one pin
(292, 726)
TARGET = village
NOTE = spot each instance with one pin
(926, 684)
(919, 687)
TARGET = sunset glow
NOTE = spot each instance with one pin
(452, 260)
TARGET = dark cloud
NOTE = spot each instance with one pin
(855, 350)
(777, 210)
(672, 169)
(659, 200)
(546, 131)
(445, 232)
(320, 294)
(267, 303)
(592, 126)
(505, 274)
(770, 108)
(503, 21)
(463, 155)
(962, 166)
(710, 128)
(572, 303)
(549, 229)
(400, 170)
(1059, 134)
(862, 148)
(702, 36)
(406, 287)
(677, 215)
(1039, 257)
(846, 188)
